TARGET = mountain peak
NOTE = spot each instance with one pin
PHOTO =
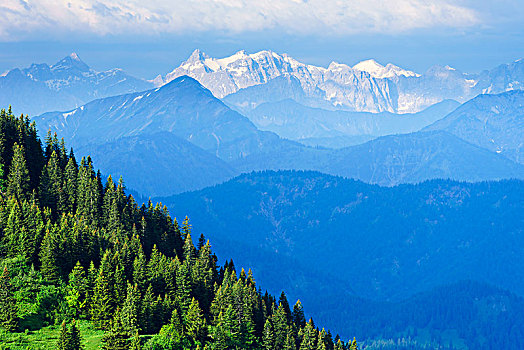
(368, 66)
(71, 61)
(376, 70)
(184, 81)
(197, 55)
(74, 56)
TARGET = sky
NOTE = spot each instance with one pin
(147, 38)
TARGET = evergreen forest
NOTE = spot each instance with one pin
(78, 253)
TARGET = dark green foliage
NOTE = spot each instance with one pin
(116, 338)
(18, 179)
(8, 309)
(70, 338)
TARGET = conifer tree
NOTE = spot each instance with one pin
(290, 343)
(131, 309)
(8, 309)
(183, 291)
(103, 298)
(18, 177)
(194, 323)
(147, 311)
(280, 326)
(116, 338)
(309, 339)
(71, 179)
(74, 339)
(77, 286)
(353, 345)
(298, 315)
(50, 255)
(268, 338)
(63, 341)
(284, 304)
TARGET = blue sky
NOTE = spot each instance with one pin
(150, 37)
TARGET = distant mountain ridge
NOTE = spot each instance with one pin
(394, 159)
(494, 122)
(289, 119)
(64, 85)
(196, 122)
(367, 86)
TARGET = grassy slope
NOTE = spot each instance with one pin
(46, 338)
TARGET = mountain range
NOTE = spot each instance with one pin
(494, 122)
(66, 84)
(380, 244)
(338, 129)
(366, 86)
(183, 111)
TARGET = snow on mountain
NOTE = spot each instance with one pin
(367, 86)
(64, 85)
(376, 70)
(340, 84)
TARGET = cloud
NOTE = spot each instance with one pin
(25, 18)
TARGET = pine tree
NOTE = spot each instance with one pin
(76, 291)
(284, 304)
(322, 343)
(280, 327)
(8, 309)
(71, 179)
(131, 309)
(268, 338)
(310, 337)
(74, 339)
(147, 311)
(50, 255)
(103, 303)
(290, 341)
(353, 345)
(194, 322)
(63, 341)
(116, 338)
(18, 177)
(183, 292)
(298, 315)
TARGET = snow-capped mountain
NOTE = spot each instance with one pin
(376, 70)
(64, 85)
(339, 84)
(367, 86)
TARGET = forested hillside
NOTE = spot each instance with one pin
(386, 244)
(77, 250)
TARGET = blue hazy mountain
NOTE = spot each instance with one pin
(395, 159)
(199, 126)
(494, 122)
(385, 244)
(190, 112)
(182, 107)
(321, 127)
(175, 164)
(451, 316)
(64, 85)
